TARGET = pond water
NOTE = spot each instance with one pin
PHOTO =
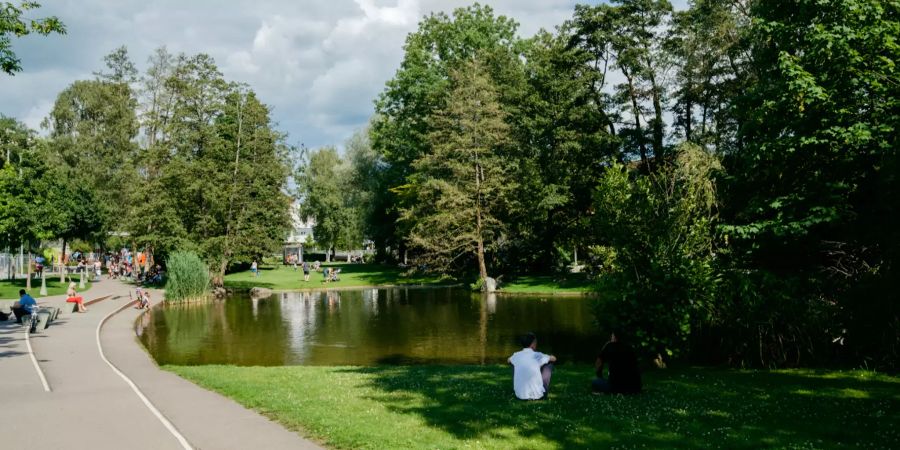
(368, 327)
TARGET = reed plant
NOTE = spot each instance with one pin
(188, 277)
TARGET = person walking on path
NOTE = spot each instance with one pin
(531, 370)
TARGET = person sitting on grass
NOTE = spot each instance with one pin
(624, 374)
(25, 306)
(531, 370)
(73, 297)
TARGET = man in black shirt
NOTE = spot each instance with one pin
(624, 375)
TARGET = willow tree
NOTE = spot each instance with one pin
(464, 181)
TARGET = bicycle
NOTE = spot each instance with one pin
(33, 321)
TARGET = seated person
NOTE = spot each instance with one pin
(531, 370)
(335, 274)
(73, 297)
(25, 306)
(144, 298)
(624, 375)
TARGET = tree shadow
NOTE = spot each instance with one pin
(692, 408)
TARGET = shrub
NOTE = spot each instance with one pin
(188, 277)
(656, 272)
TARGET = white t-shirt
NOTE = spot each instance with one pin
(527, 380)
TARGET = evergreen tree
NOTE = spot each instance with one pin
(463, 183)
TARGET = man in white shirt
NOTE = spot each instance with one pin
(531, 370)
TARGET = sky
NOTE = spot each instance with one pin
(318, 64)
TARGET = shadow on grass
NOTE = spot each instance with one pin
(693, 408)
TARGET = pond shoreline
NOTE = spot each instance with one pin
(414, 286)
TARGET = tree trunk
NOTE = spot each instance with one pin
(658, 149)
(482, 268)
(219, 281)
(62, 264)
(28, 279)
(642, 146)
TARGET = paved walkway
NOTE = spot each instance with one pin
(91, 407)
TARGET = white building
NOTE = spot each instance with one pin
(300, 235)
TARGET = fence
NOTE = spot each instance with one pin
(11, 265)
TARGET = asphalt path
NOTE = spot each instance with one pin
(107, 393)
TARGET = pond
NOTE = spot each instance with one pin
(368, 327)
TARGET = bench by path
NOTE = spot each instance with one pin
(90, 406)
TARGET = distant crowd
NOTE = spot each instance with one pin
(122, 264)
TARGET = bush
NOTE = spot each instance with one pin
(188, 277)
(657, 277)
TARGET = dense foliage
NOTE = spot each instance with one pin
(177, 158)
(728, 169)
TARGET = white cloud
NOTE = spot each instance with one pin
(318, 64)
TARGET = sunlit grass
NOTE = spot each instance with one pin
(352, 275)
(571, 284)
(473, 407)
(9, 289)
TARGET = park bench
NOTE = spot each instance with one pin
(46, 316)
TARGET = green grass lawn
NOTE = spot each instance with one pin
(473, 407)
(571, 284)
(9, 289)
(362, 275)
(352, 275)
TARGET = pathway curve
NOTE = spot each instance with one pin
(90, 406)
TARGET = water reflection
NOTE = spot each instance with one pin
(368, 327)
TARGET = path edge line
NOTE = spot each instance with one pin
(166, 423)
(34, 361)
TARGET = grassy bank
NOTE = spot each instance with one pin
(473, 407)
(363, 275)
(352, 275)
(9, 289)
(572, 284)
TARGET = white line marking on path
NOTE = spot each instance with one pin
(184, 443)
(33, 358)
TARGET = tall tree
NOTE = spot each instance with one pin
(463, 183)
(443, 43)
(326, 194)
(248, 216)
(93, 126)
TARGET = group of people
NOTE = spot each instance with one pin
(307, 267)
(143, 298)
(532, 370)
